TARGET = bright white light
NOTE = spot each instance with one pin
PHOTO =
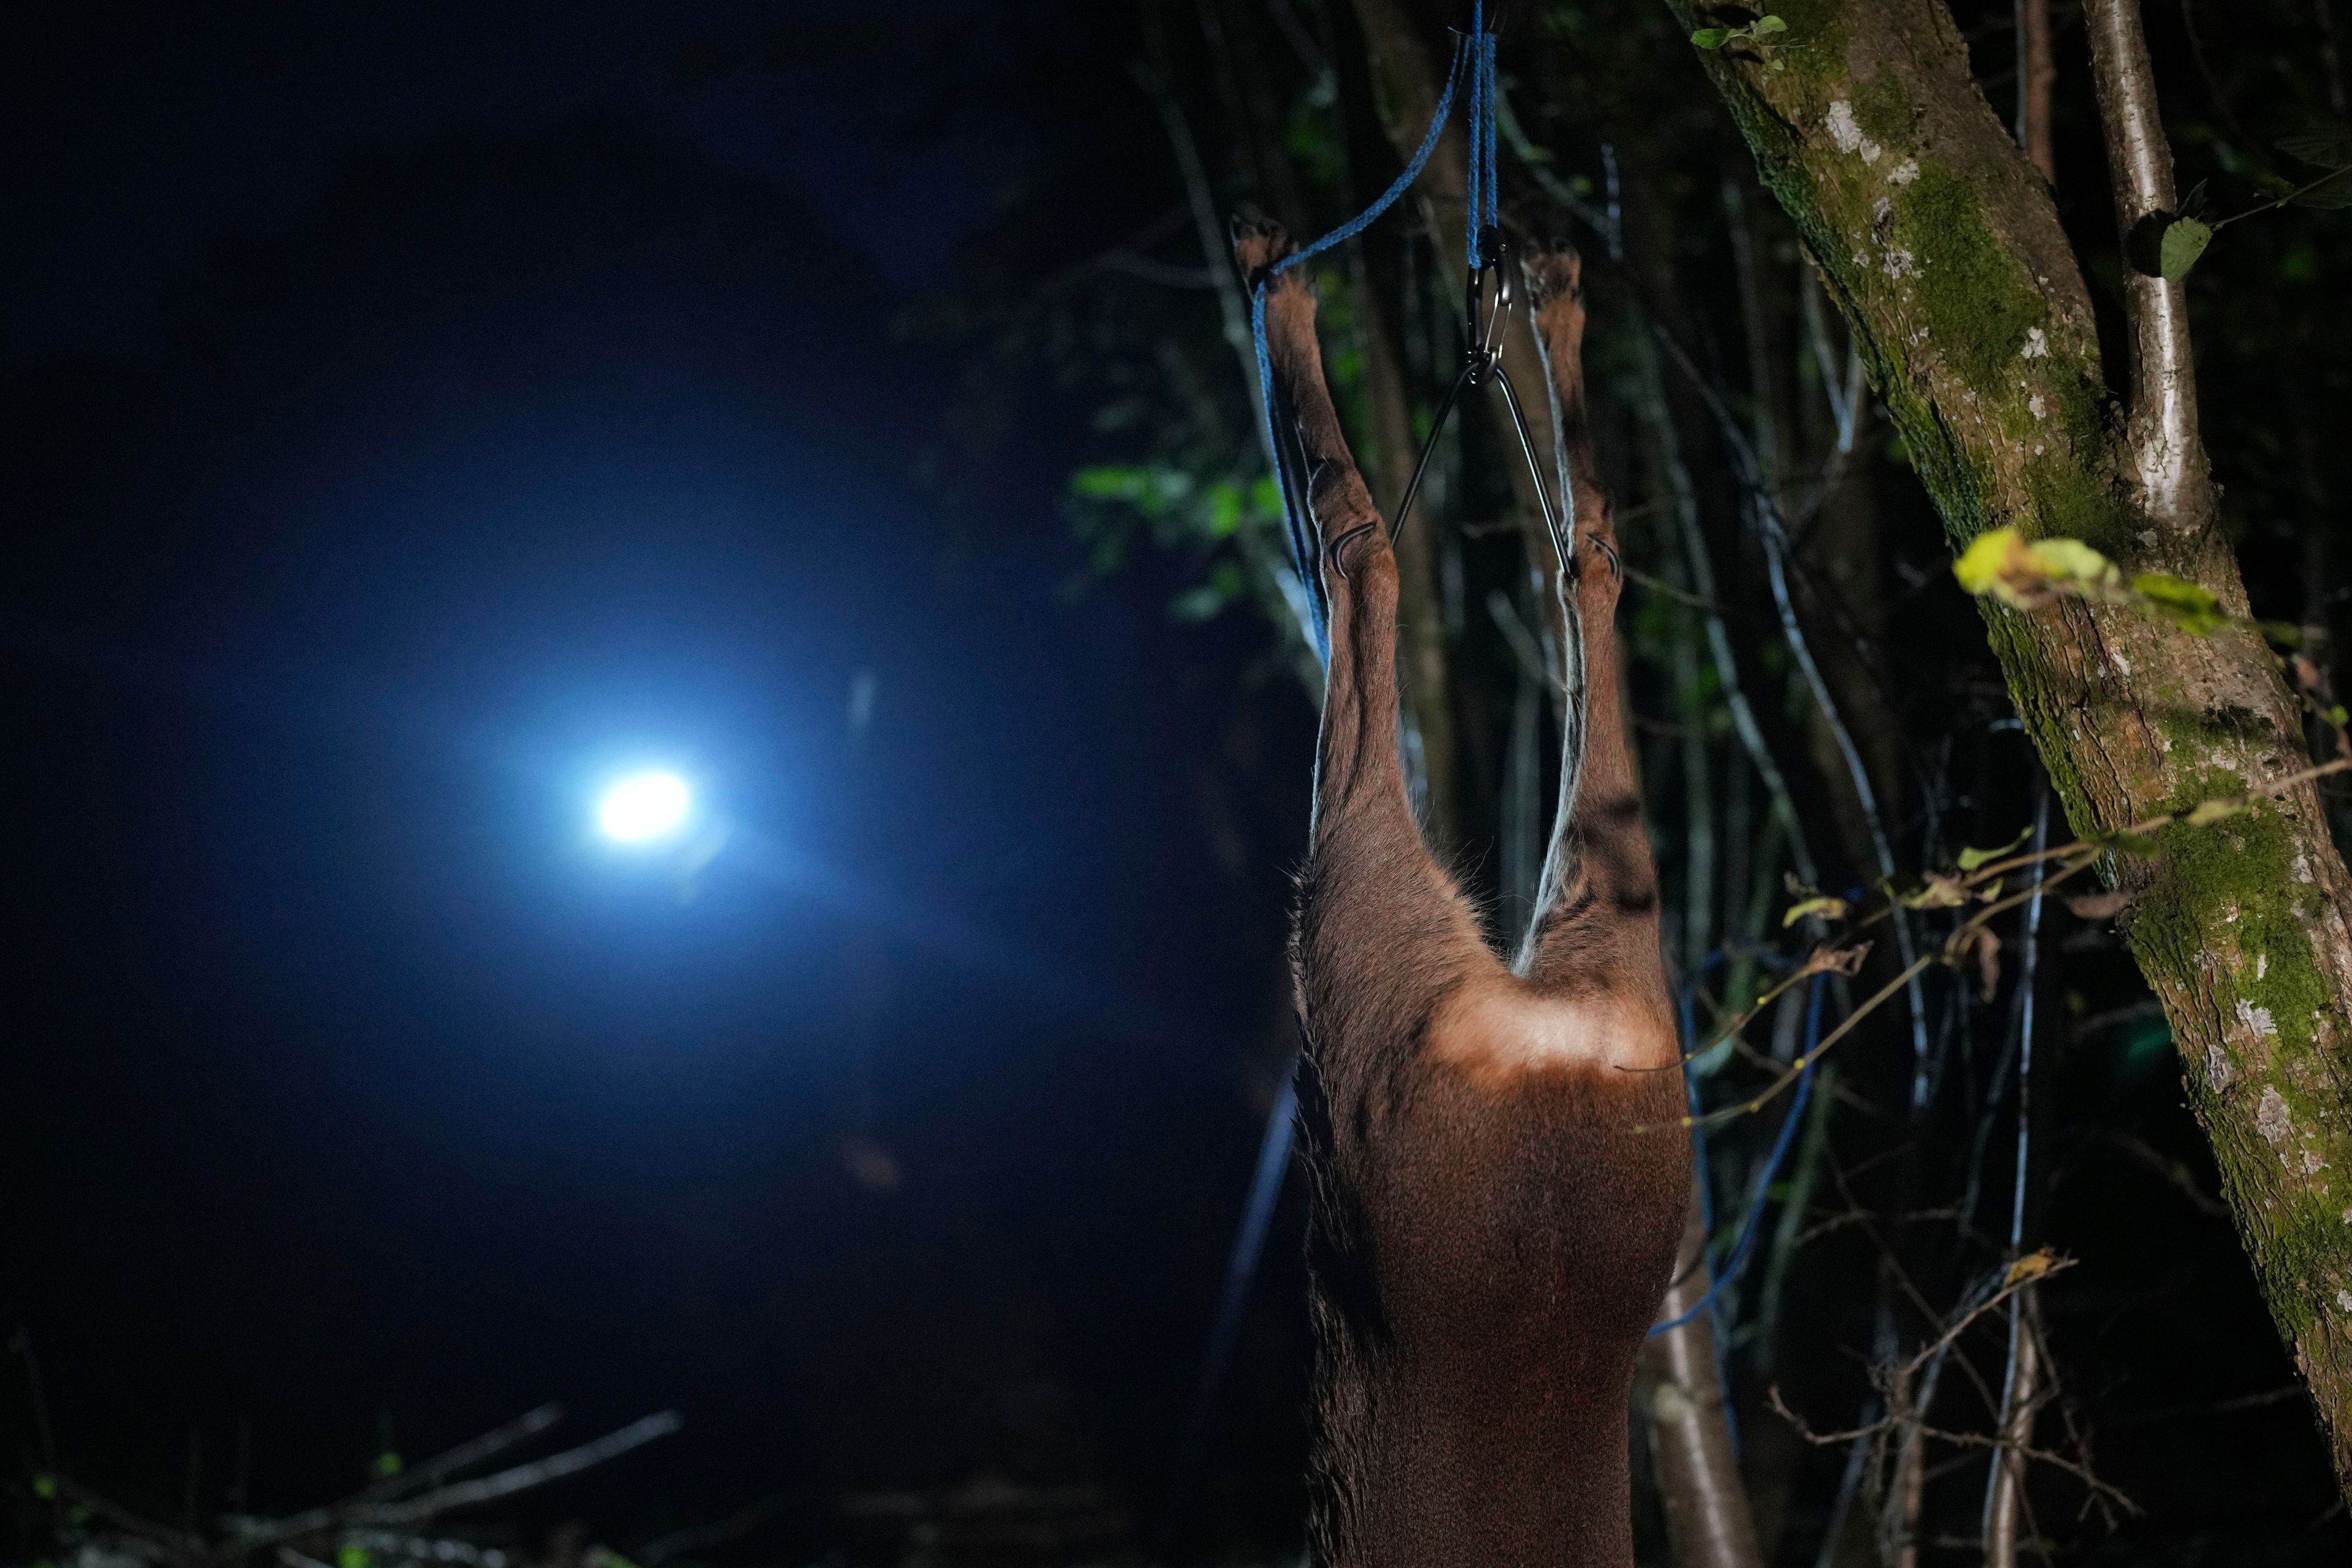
(644, 807)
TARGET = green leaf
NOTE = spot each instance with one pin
(386, 1465)
(2186, 605)
(1972, 858)
(353, 1557)
(2324, 146)
(45, 1487)
(1106, 482)
(1711, 37)
(1151, 491)
(1764, 25)
(1224, 509)
(2333, 196)
(1266, 496)
(2185, 241)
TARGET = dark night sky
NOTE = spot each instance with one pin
(410, 412)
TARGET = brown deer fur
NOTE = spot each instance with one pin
(1491, 1226)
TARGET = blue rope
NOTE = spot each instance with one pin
(1756, 1203)
(1301, 550)
(1476, 208)
(1494, 176)
(1484, 200)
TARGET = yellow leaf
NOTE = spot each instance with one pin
(2071, 560)
(2001, 562)
(1972, 858)
(1981, 564)
(1820, 904)
(2032, 1266)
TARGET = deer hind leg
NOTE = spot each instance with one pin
(1596, 923)
(1383, 933)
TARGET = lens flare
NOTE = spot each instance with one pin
(644, 807)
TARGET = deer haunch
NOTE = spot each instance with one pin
(1497, 1189)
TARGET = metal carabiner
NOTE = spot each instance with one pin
(1483, 330)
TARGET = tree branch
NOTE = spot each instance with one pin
(2167, 455)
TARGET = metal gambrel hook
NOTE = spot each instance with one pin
(1483, 329)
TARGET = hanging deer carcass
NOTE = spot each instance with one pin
(1498, 1177)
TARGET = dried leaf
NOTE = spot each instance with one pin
(2103, 906)
(1978, 942)
(2032, 1266)
(1939, 893)
(1828, 960)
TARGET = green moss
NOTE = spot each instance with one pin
(2234, 881)
(1816, 28)
(1976, 296)
(2233, 885)
(1884, 110)
(2066, 500)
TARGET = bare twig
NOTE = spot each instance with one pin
(524, 1478)
(2098, 1487)
(740, 1523)
(179, 1543)
(369, 1509)
(464, 1457)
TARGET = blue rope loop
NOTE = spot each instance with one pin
(1473, 56)
(1760, 1196)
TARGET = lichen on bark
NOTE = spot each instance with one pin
(1941, 245)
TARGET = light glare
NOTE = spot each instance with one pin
(644, 807)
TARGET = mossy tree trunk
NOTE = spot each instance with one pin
(1941, 245)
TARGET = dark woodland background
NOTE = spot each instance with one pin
(406, 412)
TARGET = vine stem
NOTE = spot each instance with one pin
(2221, 224)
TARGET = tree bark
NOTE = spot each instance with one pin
(1707, 1517)
(1938, 241)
